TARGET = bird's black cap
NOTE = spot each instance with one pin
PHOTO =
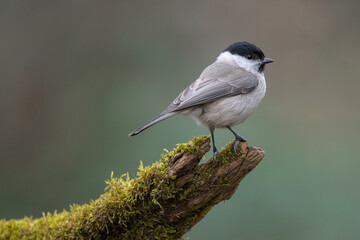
(246, 49)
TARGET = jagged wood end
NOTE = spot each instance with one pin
(164, 201)
(208, 184)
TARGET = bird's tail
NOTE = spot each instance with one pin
(152, 122)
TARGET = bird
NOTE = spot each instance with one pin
(225, 94)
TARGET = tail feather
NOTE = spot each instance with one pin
(152, 122)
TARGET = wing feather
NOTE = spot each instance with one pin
(216, 81)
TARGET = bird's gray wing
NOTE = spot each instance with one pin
(216, 81)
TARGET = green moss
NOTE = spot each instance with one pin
(129, 209)
(192, 146)
(227, 153)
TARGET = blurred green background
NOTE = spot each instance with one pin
(77, 76)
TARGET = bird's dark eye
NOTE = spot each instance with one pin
(249, 56)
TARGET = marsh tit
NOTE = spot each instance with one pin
(225, 94)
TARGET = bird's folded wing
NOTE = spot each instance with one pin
(219, 80)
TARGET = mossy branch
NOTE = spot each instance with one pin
(164, 202)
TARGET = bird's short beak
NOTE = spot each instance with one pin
(267, 60)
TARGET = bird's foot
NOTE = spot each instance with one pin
(216, 152)
(238, 139)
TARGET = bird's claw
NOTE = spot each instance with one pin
(237, 141)
(236, 144)
(216, 152)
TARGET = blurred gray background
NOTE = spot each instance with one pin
(77, 76)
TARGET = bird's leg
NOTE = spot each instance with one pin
(238, 139)
(214, 147)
